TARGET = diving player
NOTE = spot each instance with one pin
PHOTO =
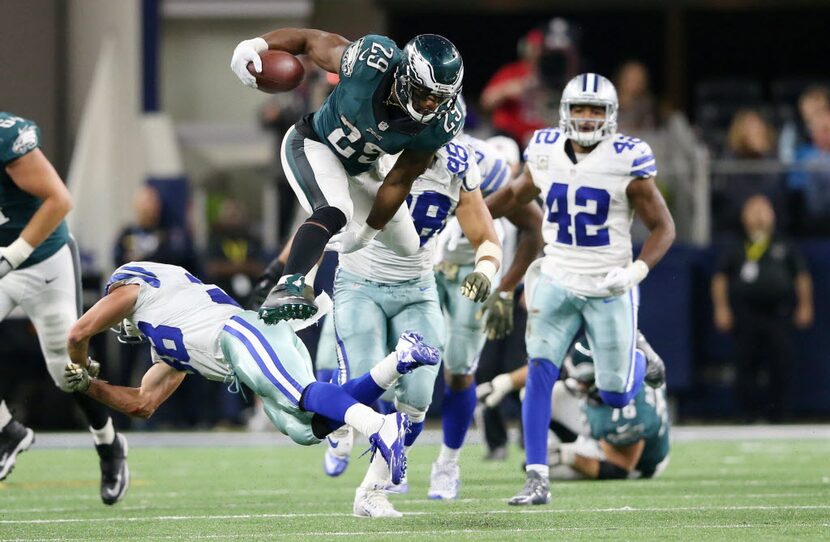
(40, 272)
(591, 179)
(388, 101)
(465, 333)
(197, 328)
(377, 293)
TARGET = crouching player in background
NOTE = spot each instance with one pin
(197, 328)
(591, 439)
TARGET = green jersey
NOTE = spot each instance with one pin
(644, 418)
(355, 120)
(19, 137)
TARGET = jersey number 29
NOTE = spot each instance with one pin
(558, 213)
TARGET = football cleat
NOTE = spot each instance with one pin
(389, 442)
(413, 352)
(338, 451)
(655, 368)
(535, 491)
(398, 489)
(14, 438)
(289, 300)
(444, 480)
(373, 503)
(115, 473)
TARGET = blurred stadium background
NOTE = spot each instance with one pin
(135, 92)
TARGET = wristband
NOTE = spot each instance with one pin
(639, 270)
(367, 233)
(487, 268)
(17, 252)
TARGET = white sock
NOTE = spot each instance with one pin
(5, 415)
(363, 419)
(448, 454)
(386, 372)
(105, 435)
(543, 470)
(377, 477)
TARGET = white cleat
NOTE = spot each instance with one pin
(444, 480)
(338, 451)
(373, 503)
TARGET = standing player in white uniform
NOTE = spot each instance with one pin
(40, 272)
(377, 293)
(197, 328)
(465, 333)
(591, 179)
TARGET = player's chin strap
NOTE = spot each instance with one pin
(324, 306)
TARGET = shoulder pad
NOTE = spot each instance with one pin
(18, 136)
(636, 156)
(369, 57)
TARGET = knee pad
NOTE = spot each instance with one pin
(331, 218)
(416, 415)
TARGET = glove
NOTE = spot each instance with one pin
(352, 240)
(476, 286)
(264, 284)
(491, 393)
(563, 454)
(499, 309)
(248, 51)
(77, 377)
(620, 279)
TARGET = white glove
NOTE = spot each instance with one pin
(564, 454)
(13, 255)
(491, 393)
(352, 240)
(620, 279)
(248, 51)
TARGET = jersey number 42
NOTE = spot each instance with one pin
(559, 214)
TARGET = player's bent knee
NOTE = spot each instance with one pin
(332, 218)
(460, 382)
(416, 414)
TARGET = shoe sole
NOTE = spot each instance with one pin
(21, 447)
(126, 473)
(288, 311)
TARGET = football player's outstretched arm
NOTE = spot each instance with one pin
(516, 193)
(396, 186)
(110, 310)
(34, 174)
(650, 206)
(477, 225)
(158, 383)
(618, 463)
(324, 48)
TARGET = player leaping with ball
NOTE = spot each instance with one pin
(388, 101)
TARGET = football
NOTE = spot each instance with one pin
(281, 71)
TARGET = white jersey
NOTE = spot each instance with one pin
(495, 172)
(181, 316)
(587, 214)
(433, 198)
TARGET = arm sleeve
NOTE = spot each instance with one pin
(18, 137)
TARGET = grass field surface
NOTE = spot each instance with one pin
(713, 490)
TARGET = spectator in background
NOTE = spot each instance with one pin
(637, 106)
(760, 292)
(523, 96)
(750, 137)
(234, 254)
(811, 173)
(813, 102)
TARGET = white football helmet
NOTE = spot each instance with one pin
(588, 89)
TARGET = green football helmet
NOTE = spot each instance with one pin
(431, 69)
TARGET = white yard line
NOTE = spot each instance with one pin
(544, 510)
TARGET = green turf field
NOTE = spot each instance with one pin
(754, 490)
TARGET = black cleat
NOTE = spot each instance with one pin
(14, 438)
(289, 300)
(655, 368)
(115, 474)
(535, 491)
